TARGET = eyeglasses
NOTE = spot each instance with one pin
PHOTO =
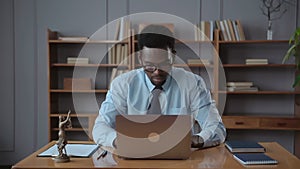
(165, 66)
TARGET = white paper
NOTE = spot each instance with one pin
(76, 150)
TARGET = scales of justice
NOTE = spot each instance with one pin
(62, 140)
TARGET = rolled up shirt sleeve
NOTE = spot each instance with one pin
(114, 104)
(212, 129)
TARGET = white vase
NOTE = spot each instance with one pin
(269, 31)
(269, 34)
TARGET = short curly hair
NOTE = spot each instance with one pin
(156, 36)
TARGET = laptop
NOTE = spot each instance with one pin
(153, 136)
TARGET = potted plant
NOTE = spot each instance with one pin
(294, 50)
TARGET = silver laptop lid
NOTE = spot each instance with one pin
(153, 136)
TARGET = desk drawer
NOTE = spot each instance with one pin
(239, 122)
(280, 123)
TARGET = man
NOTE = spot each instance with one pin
(181, 92)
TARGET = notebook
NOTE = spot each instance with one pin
(74, 150)
(236, 146)
(254, 159)
(153, 136)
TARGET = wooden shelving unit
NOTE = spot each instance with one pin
(233, 120)
(87, 41)
(262, 122)
(60, 99)
(78, 91)
(259, 66)
(289, 121)
(87, 65)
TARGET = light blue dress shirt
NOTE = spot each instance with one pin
(183, 93)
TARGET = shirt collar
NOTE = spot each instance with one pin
(165, 86)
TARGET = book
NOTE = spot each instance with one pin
(117, 30)
(206, 30)
(241, 30)
(113, 74)
(254, 159)
(75, 38)
(202, 30)
(227, 30)
(211, 31)
(236, 31)
(122, 29)
(256, 61)
(223, 31)
(125, 53)
(242, 89)
(218, 26)
(236, 146)
(239, 84)
(198, 61)
(196, 32)
(231, 31)
(74, 60)
(118, 54)
(73, 150)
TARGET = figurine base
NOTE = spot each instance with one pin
(61, 159)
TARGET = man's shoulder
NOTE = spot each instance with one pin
(186, 78)
(180, 72)
(128, 77)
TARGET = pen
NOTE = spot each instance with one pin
(102, 154)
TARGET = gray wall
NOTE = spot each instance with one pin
(23, 87)
(18, 80)
(7, 72)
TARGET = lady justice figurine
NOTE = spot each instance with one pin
(62, 140)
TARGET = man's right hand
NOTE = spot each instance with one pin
(197, 141)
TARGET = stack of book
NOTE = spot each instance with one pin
(241, 86)
(75, 60)
(256, 61)
(237, 146)
(198, 61)
(249, 153)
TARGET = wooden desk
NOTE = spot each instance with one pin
(216, 157)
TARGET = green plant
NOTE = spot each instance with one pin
(294, 50)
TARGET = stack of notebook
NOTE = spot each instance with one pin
(249, 153)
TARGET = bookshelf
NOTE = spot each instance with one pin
(61, 99)
(276, 98)
(267, 120)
